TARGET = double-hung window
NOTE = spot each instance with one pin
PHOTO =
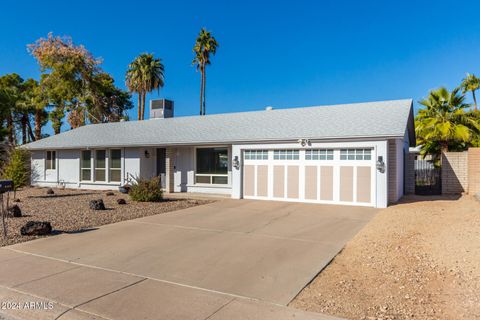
(51, 160)
(212, 166)
(115, 165)
(100, 165)
(86, 165)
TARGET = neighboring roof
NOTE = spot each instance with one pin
(357, 120)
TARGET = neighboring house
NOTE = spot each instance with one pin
(342, 154)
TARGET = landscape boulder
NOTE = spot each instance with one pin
(14, 211)
(110, 193)
(97, 204)
(36, 228)
(50, 191)
(121, 201)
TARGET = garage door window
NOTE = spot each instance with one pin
(355, 154)
(319, 154)
(256, 155)
(212, 166)
(286, 154)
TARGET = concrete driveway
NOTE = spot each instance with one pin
(232, 259)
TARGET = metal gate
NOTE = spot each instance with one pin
(428, 178)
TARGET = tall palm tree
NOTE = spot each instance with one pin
(445, 120)
(144, 74)
(471, 83)
(205, 45)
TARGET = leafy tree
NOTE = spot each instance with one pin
(10, 85)
(17, 168)
(74, 83)
(471, 83)
(144, 74)
(205, 45)
(445, 123)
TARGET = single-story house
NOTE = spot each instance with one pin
(351, 154)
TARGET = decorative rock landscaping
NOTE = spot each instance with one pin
(121, 201)
(14, 211)
(68, 210)
(36, 228)
(97, 204)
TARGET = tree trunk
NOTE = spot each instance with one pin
(204, 89)
(201, 90)
(143, 104)
(10, 129)
(23, 122)
(139, 107)
(31, 136)
(38, 124)
(474, 100)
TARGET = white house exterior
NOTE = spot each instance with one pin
(349, 154)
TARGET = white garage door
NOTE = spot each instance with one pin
(339, 176)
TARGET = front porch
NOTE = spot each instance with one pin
(192, 169)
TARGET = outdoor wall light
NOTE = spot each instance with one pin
(147, 154)
(380, 164)
(236, 163)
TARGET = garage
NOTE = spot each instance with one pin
(317, 175)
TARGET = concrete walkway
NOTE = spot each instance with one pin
(232, 259)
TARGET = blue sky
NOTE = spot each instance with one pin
(279, 53)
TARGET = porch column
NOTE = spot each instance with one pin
(169, 169)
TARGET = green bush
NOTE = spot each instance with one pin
(146, 190)
(17, 168)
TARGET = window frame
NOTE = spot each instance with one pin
(286, 154)
(212, 176)
(85, 168)
(320, 154)
(51, 164)
(356, 154)
(110, 168)
(256, 154)
(104, 168)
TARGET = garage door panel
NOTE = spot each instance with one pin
(364, 184)
(326, 183)
(249, 180)
(346, 183)
(262, 181)
(292, 182)
(341, 176)
(279, 181)
(311, 183)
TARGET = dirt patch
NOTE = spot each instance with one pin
(414, 260)
(68, 210)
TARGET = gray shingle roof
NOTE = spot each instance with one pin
(358, 120)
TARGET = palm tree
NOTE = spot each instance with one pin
(445, 120)
(471, 83)
(144, 74)
(205, 45)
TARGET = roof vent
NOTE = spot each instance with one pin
(268, 108)
(161, 109)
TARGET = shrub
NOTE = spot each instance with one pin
(146, 190)
(17, 168)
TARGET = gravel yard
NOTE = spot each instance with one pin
(415, 260)
(68, 210)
